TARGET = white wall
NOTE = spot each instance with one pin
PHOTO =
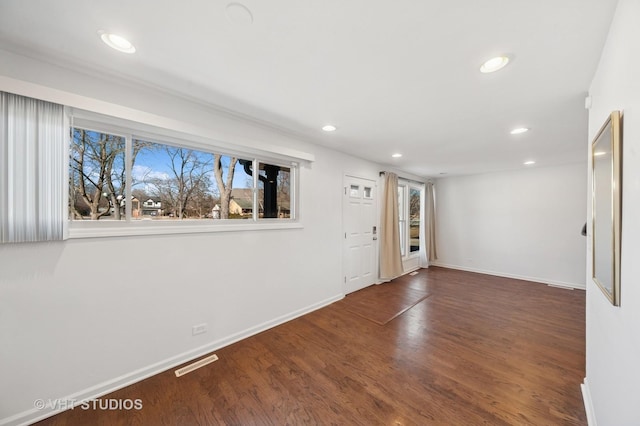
(82, 317)
(523, 224)
(613, 333)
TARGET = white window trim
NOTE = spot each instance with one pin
(188, 139)
(406, 186)
(402, 222)
(86, 229)
(128, 227)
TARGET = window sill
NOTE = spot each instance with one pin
(89, 229)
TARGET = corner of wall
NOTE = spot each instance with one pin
(588, 404)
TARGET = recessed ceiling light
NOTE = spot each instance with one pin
(494, 64)
(117, 42)
(529, 163)
(329, 128)
(519, 130)
(396, 155)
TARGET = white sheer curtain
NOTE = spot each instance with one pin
(33, 183)
(424, 256)
(390, 255)
(430, 222)
(428, 252)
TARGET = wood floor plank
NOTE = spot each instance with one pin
(479, 350)
(396, 302)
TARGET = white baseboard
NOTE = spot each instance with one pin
(580, 286)
(588, 404)
(33, 415)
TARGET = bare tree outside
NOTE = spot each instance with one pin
(96, 174)
(224, 186)
(202, 201)
(284, 193)
(188, 183)
(414, 219)
(167, 181)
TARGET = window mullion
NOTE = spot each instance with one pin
(293, 191)
(256, 201)
(128, 165)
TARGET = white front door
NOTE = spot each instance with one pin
(359, 220)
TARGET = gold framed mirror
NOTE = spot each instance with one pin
(606, 157)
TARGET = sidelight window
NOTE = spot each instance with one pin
(409, 207)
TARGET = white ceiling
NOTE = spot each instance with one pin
(393, 76)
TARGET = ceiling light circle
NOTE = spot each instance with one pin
(494, 64)
(396, 155)
(329, 128)
(529, 163)
(239, 14)
(117, 42)
(519, 130)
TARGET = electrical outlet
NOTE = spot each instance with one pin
(199, 329)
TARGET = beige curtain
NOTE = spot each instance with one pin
(430, 219)
(390, 256)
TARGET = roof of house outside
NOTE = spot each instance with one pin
(244, 198)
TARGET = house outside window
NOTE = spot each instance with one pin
(168, 180)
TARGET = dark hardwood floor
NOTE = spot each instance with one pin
(479, 350)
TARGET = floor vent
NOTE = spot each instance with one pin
(189, 368)
(413, 273)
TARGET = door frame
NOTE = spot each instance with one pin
(376, 261)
